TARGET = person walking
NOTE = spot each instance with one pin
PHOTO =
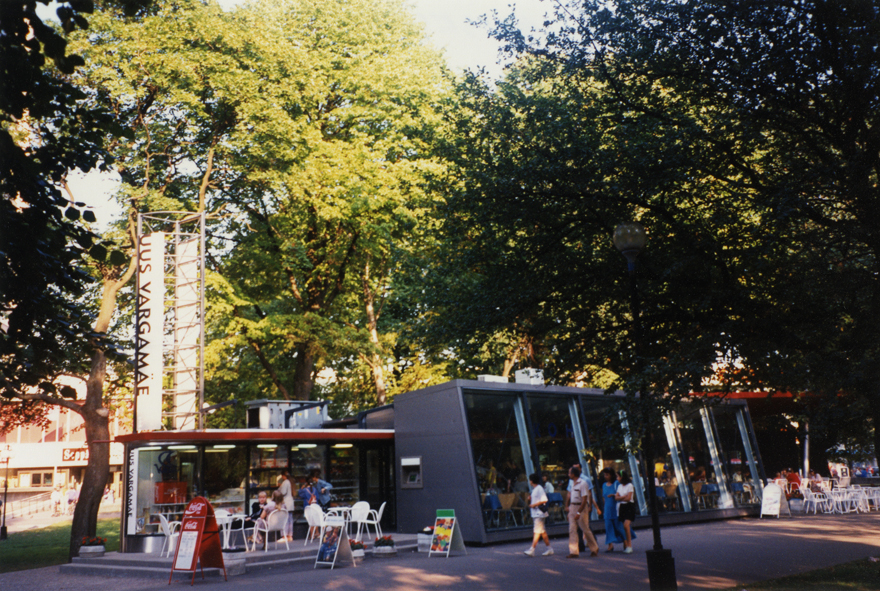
(538, 505)
(580, 502)
(56, 501)
(626, 509)
(614, 533)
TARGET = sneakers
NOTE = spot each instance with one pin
(549, 552)
(628, 551)
(529, 552)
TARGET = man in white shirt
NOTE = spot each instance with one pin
(580, 503)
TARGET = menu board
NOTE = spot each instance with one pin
(199, 540)
(334, 544)
(447, 536)
(186, 550)
(774, 501)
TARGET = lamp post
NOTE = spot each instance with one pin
(7, 455)
(630, 238)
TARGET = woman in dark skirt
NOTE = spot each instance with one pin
(626, 508)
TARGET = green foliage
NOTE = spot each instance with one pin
(757, 124)
(308, 144)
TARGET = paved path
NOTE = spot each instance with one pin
(708, 556)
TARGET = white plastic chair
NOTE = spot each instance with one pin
(816, 499)
(316, 520)
(276, 522)
(171, 529)
(360, 513)
(374, 518)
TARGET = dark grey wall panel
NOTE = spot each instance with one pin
(430, 423)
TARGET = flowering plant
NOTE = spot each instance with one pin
(384, 541)
(88, 541)
(355, 545)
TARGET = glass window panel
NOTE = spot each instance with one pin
(499, 459)
(604, 436)
(696, 458)
(225, 474)
(268, 461)
(166, 483)
(664, 474)
(554, 438)
(343, 473)
(734, 458)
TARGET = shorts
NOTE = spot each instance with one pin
(538, 525)
(626, 512)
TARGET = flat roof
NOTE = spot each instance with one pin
(259, 435)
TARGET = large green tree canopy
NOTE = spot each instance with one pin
(305, 129)
(759, 139)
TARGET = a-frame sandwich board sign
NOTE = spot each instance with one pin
(334, 544)
(199, 541)
(447, 534)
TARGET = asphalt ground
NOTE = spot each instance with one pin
(707, 556)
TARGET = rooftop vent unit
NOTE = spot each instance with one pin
(286, 414)
(531, 376)
(491, 378)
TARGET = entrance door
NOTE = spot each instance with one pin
(379, 483)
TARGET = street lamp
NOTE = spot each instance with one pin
(6, 455)
(630, 238)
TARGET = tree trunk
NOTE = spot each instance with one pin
(97, 425)
(303, 379)
(375, 360)
(97, 422)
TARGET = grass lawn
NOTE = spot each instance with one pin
(48, 545)
(861, 575)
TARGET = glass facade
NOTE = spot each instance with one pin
(703, 458)
(499, 443)
(230, 475)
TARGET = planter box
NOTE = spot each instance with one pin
(91, 551)
(384, 551)
(358, 554)
(424, 541)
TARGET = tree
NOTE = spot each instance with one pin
(46, 130)
(308, 144)
(799, 85)
(545, 166)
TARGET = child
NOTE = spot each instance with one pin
(538, 498)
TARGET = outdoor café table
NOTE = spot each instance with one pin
(843, 501)
(224, 521)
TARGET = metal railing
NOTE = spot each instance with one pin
(30, 505)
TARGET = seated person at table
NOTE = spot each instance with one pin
(250, 520)
(321, 489)
(794, 483)
(276, 501)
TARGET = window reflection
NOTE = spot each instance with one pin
(697, 459)
(225, 471)
(498, 455)
(554, 438)
(165, 485)
(604, 435)
(734, 458)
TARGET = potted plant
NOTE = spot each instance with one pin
(357, 548)
(92, 547)
(424, 539)
(384, 546)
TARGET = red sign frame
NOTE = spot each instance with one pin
(199, 539)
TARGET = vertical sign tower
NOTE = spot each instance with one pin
(170, 321)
